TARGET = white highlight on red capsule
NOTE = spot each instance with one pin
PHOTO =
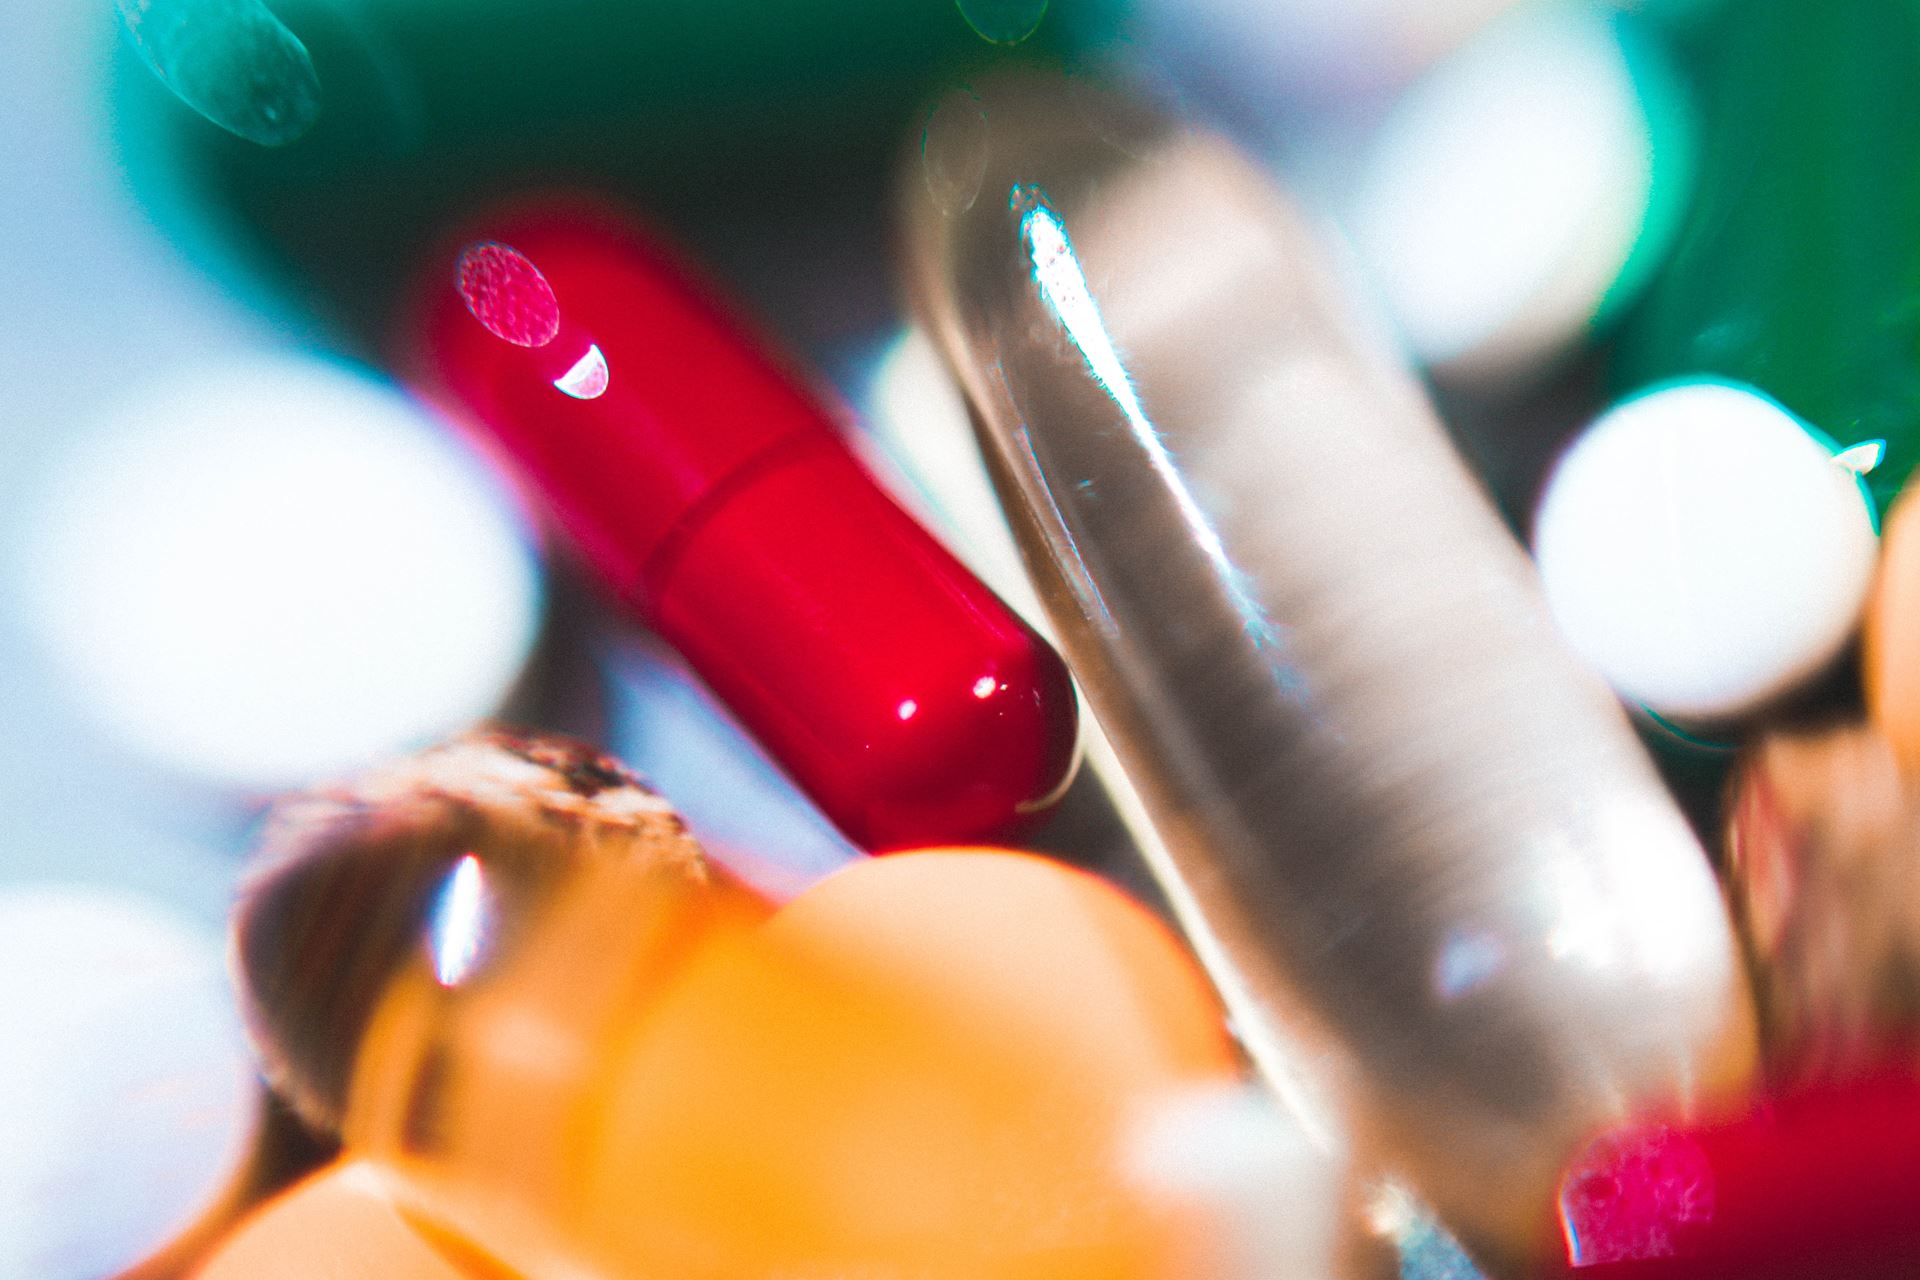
(127, 1087)
(1501, 200)
(276, 568)
(1704, 550)
(589, 377)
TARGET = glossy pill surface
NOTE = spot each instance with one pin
(439, 865)
(709, 488)
(964, 1042)
(1401, 817)
(927, 1065)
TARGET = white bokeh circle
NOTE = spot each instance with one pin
(276, 568)
(1704, 550)
(1506, 191)
(129, 1093)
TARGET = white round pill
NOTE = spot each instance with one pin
(1704, 550)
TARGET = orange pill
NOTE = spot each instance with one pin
(337, 1225)
(1033, 945)
(932, 1065)
(1891, 655)
(426, 872)
(487, 1109)
(928, 1065)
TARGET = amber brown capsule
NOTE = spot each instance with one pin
(1823, 870)
(439, 862)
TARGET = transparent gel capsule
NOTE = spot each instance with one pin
(1401, 819)
(954, 149)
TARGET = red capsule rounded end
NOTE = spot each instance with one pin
(906, 699)
(975, 756)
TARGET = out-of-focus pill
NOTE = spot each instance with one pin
(1020, 918)
(337, 1225)
(1521, 189)
(712, 492)
(1704, 550)
(965, 1039)
(1813, 1183)
(1823, 868)
(442, 864)
(1401, 818)
(1891, 656)
(925, 1065)
(263, 571)
(129, 1095)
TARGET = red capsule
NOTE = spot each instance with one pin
(711, 489)
(1814, 1185)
